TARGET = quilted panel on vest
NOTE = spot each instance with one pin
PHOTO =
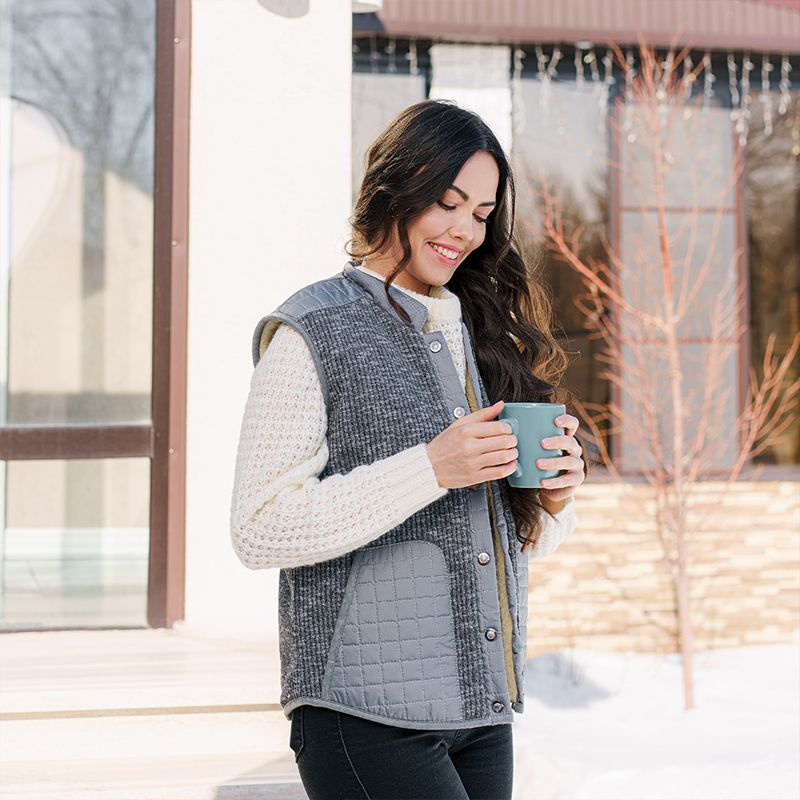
(394, 652)
(327, 293)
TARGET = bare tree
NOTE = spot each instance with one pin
(663, 296)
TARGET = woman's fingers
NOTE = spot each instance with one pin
(562, 462)
(495, 457)
(568, 443)
(569, 422)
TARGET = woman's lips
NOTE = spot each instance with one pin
(444, 259)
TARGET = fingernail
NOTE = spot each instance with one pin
(547, 442)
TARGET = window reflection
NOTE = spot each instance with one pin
(79, 234)
(561, 140)
(772, 198)
(76, 543)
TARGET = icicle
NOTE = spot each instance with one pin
(708, 82)
(544, 73)
(734, 86)
(666, 74)
(743, 123)
(578, 59)
(764, 96)
(608, 67)
(630, 73)
(519, 118)
(688, 78)
(541, 76)
(605, 88)
(591, 59)
(373, 54)
(412, 58)
(390, 50)
(554, 59)
(661, 91)
(783, 105)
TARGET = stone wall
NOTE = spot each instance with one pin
(607, 586)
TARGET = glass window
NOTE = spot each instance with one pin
(560, 137)
(77, 81)
(77, 90)
(772, 198)
(377, 97)
(76, 543)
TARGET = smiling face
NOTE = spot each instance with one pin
(447, 231)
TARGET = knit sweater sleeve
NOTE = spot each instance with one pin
(282, 514)
(555, 530)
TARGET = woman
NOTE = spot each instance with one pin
(371, 470)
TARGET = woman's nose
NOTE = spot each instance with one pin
(462, 230)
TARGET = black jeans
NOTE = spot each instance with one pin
(343, 757)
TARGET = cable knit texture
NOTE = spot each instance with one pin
(282, 515)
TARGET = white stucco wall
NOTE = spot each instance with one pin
(269, 200)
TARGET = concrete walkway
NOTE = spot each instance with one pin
(142, 714)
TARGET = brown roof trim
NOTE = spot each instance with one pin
(760, 25)
(792, 4)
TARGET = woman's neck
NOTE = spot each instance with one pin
(405, 280)
(441, 302)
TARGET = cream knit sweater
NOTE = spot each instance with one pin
(281, 514)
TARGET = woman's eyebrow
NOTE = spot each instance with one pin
(466, 196)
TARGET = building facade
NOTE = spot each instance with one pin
(170, 171)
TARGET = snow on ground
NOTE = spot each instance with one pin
(611, 726)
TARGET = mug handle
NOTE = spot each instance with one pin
(515, 430)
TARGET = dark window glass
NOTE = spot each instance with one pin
(561, 138)
(772, 197)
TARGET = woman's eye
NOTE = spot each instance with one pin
(482, 220)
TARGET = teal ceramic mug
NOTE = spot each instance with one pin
(530, 423)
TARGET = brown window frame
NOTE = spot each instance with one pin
(164, 439)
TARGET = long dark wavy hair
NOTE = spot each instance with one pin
(410, 166)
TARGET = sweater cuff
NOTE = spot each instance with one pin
(556, 530)
(414, 480)
(554, 506)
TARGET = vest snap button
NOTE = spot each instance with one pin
(497, 706)
(483, 558)
(491, 634)
(436, 346)
(459, 412)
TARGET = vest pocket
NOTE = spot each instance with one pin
(394, 650)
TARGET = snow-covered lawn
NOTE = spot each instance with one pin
(611, 726)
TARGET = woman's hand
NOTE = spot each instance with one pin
(474, 450)
(562, 487)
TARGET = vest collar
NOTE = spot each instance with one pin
(374, 286)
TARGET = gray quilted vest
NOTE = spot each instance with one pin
(425, 627)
